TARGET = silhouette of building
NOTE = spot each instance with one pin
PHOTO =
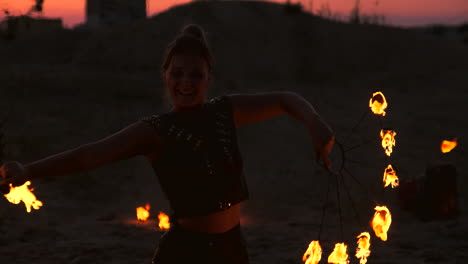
(105, 13)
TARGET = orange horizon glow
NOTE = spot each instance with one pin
(397, 12)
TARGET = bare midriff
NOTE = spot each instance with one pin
(213, 223)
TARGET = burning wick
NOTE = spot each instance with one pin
(164, 221)
(378, 104)
(339, 255)
(381, 222)
(143, 212)
(390, 177)
(313, 254)
(362, 251)
(24, 194)
(447, 145)
(388, 140)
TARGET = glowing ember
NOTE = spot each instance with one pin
(388, 140)
(378, 104)
(143, 212)
(390, 177)
(339, 255)
(313, 254)
(362, 251)
(164, 221)
(447, 145)
(381, 222)
(24, 194)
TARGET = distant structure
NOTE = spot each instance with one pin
(105, 13)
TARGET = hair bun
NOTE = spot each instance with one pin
(195, 31)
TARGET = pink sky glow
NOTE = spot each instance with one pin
(397, 12)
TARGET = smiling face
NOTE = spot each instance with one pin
(187, 78)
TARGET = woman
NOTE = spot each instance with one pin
(193, 150)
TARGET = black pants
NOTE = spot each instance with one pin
(181, 245)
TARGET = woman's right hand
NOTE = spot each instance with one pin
(12, 172)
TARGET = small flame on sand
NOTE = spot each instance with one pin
(362, 251)
(339, 255)
(390, 177)
(388, 140)
(164, 221)
(313, 254)
(143, 212)
(381, 222)
(24, 194)
(378, 103)
(448, 145)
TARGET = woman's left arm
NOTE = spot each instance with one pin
(253, 108)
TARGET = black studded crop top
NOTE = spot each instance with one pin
(199, 166)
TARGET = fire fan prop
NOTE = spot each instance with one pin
(382, 218)
(23, 194)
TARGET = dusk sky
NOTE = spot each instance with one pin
(397, 12)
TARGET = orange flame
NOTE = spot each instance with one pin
(339, 255)
(313, 254)
(362, 252)
(24, 194)
(378, 103)
(447, 145)
(164, 221)
(143, 212)
(381, 222)
(388, 140)
(390, 177)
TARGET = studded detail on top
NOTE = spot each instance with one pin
(200, 166)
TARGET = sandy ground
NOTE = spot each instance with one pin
(90, 217)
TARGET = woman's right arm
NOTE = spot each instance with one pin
(136, 139)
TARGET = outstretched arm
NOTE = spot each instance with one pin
(252, 108)
(136, 139)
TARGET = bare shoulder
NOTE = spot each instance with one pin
(256, 107)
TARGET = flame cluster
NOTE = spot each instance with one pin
(388, 140)
(381, 222)
(339, 255)
(448, 145)
(390, 177)
(143, 212)
(313, 254)
(163, 221)
(378, 103)
(23, 194)
(362, 252)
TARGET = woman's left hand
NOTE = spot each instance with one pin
(323, 139)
